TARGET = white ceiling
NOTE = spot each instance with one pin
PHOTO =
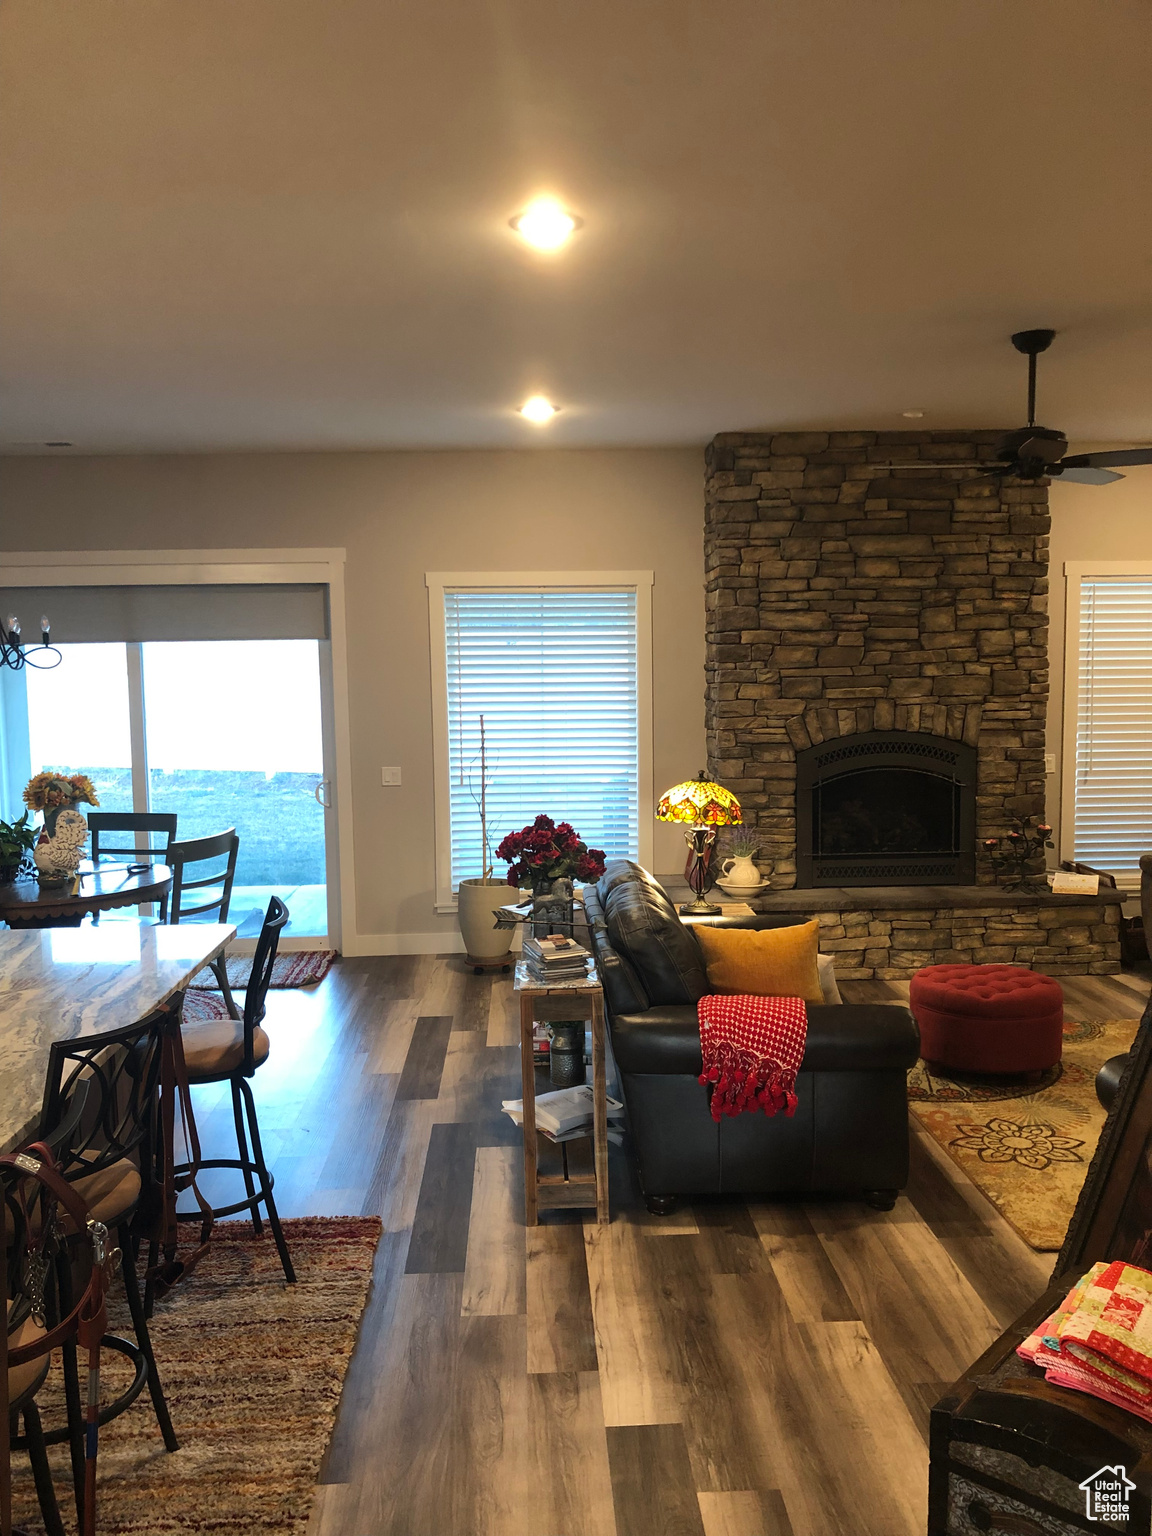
(283, 223)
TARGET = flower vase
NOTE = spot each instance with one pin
(552, 908)
(60, 847)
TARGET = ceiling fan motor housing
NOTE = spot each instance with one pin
(1033, 450)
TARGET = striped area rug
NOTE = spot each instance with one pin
(252, 1369)
(304, 969)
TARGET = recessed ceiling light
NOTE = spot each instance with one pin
(545, 223)
(538, 409)
(912, 415)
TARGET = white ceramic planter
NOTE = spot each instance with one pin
(476, 904)
(739, 874)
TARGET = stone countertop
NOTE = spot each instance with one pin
(65, 983)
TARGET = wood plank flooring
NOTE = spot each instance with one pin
(737, 1369)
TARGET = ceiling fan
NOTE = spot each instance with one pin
(1033, 452)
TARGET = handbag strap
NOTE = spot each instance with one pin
(88, 1318)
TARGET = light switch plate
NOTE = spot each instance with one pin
(1049, 762)
(389, 776)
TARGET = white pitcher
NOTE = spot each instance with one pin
(740, 871)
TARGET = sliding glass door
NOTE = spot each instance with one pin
(248, 754)
(225, 733)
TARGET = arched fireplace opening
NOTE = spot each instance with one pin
(886, 808)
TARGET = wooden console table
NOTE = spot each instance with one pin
(568, 1002)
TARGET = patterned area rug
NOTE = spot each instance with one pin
(1027, 1145)
(304, 969)
(252, 1369)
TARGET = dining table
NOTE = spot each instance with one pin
(65, 983)
(94, 888)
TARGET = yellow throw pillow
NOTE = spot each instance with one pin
(766, 962)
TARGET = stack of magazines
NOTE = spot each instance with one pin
(555, 958)
(566, 1114)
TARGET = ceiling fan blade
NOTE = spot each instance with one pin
(1116, 459)
(1085, 474)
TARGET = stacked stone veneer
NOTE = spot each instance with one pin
(843, 596)
(892, 943)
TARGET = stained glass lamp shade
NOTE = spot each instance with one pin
(701, 806)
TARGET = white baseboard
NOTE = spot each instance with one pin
(447, 942)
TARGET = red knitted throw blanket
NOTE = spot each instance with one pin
(752, 1049)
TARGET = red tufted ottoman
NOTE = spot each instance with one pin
(988, 1018)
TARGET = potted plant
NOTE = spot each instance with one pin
(17, 840)
(739, 875)
(548, 857)
(477, 900)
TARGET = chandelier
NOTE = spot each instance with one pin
(14, 654)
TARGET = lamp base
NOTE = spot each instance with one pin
(700, 908)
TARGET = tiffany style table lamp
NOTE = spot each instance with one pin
(702, 806)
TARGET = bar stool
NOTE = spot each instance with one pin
(229, 1051)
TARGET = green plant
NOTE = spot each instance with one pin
(741, 842)
(17, 839)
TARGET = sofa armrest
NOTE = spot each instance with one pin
(849, 1037)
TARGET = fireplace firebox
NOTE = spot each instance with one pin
(886, 808)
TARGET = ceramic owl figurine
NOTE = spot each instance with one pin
(57, 857)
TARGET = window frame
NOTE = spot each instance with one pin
(1074, 572)
(438, 582)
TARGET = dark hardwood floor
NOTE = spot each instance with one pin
(737, 1369)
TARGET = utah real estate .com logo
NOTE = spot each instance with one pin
(1106, 1494)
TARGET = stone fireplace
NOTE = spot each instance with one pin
(877, 684)
(845, 598)
(886, 808)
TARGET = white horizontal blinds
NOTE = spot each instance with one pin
(1114, 728)
(554, 675)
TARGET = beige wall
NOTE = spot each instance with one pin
(399, 515)
(1089, 522)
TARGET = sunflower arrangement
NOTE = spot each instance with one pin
(52, 793)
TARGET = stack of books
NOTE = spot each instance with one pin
(566, 1113)
(555, 958)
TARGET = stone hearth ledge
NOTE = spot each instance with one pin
(887, 933)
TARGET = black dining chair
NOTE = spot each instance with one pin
(154, 834)
(177, 907)
(229, 1051)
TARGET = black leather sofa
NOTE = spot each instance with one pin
(849, 1135)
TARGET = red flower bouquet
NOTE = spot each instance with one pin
(547, 851)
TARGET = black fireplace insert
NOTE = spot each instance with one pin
(886, 808)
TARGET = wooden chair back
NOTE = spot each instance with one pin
(201, 850)
(152, 824)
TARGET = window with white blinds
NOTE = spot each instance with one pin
(1113, 782)
(554, 673)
